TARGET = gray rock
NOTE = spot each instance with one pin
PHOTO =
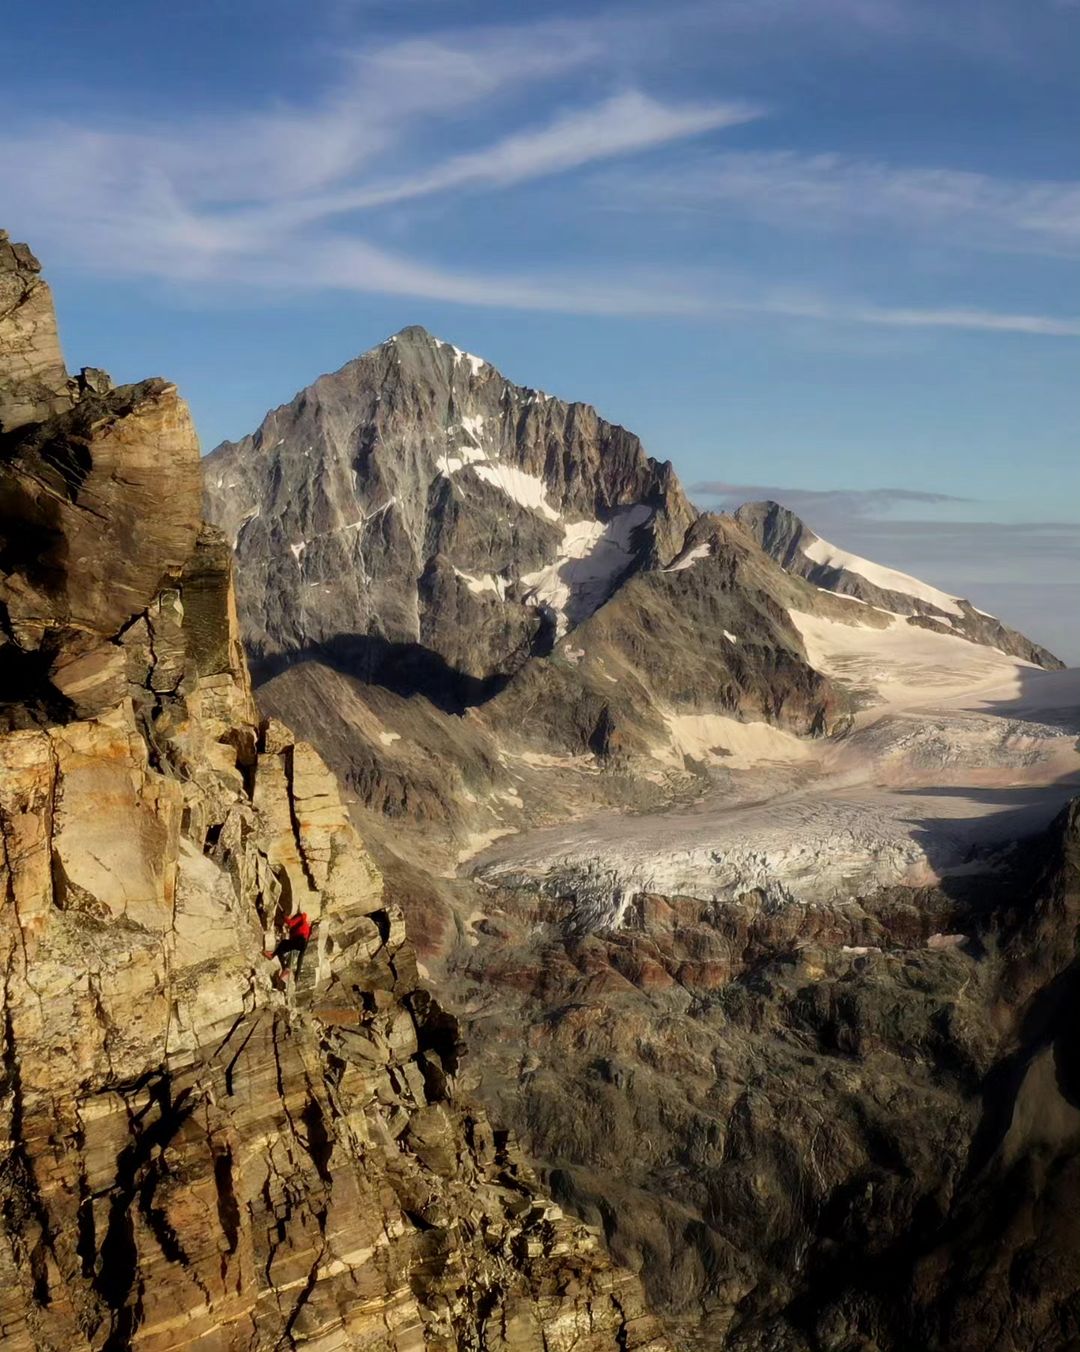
(400, 515)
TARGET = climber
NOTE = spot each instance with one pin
(295, 940)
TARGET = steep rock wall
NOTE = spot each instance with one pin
(194, 1156)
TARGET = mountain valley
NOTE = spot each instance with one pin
(717, 839)
(744, 869)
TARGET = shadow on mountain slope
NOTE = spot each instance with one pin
(1047, 698)
(406, 669)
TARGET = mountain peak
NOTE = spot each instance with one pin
(413, 333)
(416, 337)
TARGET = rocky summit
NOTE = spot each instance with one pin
(198, 1153)
(431, 522)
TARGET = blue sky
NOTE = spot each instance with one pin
(822, 247)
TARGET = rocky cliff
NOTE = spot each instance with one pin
(194, 1156)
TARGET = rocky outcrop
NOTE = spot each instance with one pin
(34, 383)
(708, 635)
(194, 1156)
(802, 553)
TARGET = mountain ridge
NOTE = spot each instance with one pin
(575, 574)
(801, 551)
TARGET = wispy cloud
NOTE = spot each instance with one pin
(835, 192)
(251, 198)
(289, 196)
(862, 502)
(622, 124)
(837, 311)
(376, 101)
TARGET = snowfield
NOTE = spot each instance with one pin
(888, 579)
(591, 557)
(963, 753)
(903, 665)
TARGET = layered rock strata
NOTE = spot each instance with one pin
(193, 1157)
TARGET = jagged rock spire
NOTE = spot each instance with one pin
(34, 382)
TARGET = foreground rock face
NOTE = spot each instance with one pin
(191, 1158)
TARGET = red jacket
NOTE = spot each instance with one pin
(298, 925)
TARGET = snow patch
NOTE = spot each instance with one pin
(719, 739)
(486, 582)
(389, 738)
(888, 579)
(903, 663)
(688, 559)
(297, 551)
(472, 425)
(528, 490)
(591, 556)
(476, 364)
(245, 520)
(845, 596)
(474, 843)
(456, 460)
(731, 638)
